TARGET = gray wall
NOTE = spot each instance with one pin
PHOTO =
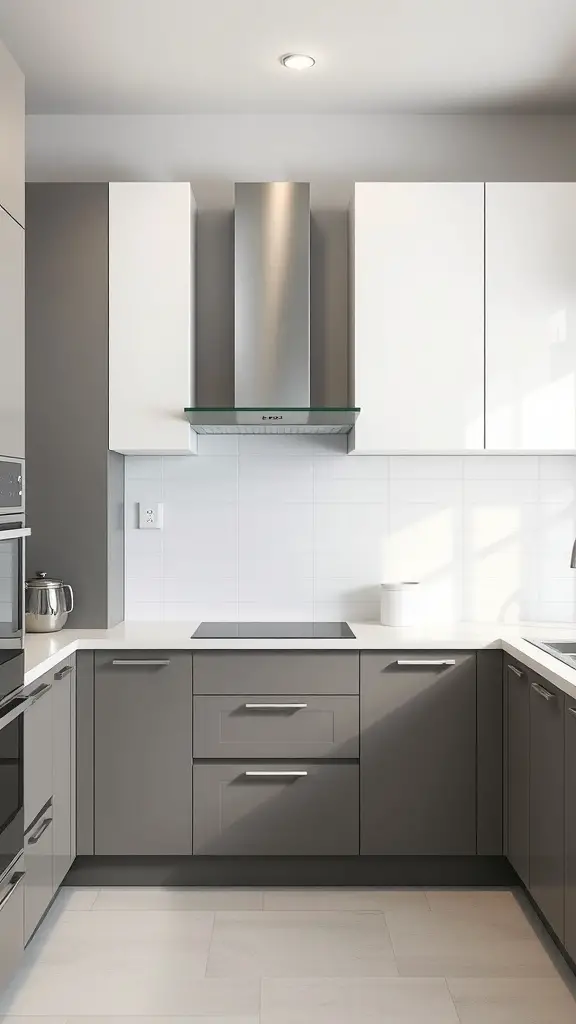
(331, 151)
(75, 487)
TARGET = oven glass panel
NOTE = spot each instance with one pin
(11, 788)
(10, 577)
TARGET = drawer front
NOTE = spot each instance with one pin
(11, 923)
(274, 726)
(412, 665)
(39, 884)
(312, 814)
(38, 752)
(277, 673)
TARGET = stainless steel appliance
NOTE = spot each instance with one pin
(272, 393)
(12, 540)
(48, 604)
(564, 650)
(274, 631)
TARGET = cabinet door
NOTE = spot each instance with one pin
(570, 806)
(11, 923)
(11, 336)
(143, 753)
(518, 773)
(38, 750)
(12, 119)
(418, 314)
(62, 773)
(530, 315)
(39, 881)
(547, 801)
(151, 248)
(276, 809)
(418, 753)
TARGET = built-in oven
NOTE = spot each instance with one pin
(13, 533)
(12, 770)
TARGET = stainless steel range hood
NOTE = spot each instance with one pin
(272, 320)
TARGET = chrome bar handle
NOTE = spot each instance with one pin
(572, 711)
(35, 838)
(542, 691)
(144, 662)
(272, 775)
(516, 671)
(63, 672)
(275, 707)
(15, 534)
(15, 882)
(428, 662)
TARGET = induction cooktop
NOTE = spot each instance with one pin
(273, 631)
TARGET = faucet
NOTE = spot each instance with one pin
(573, 556)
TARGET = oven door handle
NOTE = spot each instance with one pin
(25, 531)
(11, 716)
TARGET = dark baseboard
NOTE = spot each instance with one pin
(262, 872)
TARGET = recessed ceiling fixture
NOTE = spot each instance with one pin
(297, 61)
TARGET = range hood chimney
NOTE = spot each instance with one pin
(272, 320)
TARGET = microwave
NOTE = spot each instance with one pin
(13, 533)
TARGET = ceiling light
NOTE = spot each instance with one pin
(298, 61)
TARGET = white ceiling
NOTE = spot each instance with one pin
(190, 56)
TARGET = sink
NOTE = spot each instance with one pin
(564, 650)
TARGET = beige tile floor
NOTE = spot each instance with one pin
(315, 956)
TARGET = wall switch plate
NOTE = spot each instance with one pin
(150, 515)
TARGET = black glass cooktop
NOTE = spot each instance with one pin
(274, 631)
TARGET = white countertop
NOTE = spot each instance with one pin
(44, 651)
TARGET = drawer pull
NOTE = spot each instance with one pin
(572, 711)
(144, 662)
(15, 882)
(431, 663)
(542, 691)
(275, 707)
(272, 775)
(63, 672)
(516, 671)
(41, 830)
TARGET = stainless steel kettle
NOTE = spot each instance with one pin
(46, 606)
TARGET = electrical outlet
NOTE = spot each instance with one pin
(150, 514)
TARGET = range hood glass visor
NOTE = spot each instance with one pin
(210, 420)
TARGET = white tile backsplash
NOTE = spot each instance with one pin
(288, 527)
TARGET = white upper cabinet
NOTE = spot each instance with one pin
(418, 316)
(151, 272)
(11, 136)
(12, 340)
(531, 316)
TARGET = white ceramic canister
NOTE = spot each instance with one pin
(398, 603)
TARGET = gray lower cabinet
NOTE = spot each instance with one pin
(276, 809)
(272, 726)
(570, 807)
(518, 767)
(547, 801)
(11, 922)
(64, 768)
(38, 749)
(418, 753)
(276, 672)
(143, 753)
(39, 881)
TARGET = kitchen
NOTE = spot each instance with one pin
(257, 777)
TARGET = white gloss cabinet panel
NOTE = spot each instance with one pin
(151, 272)
(11, 136)
(530, 316)
(418, 316)
(12, 336)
